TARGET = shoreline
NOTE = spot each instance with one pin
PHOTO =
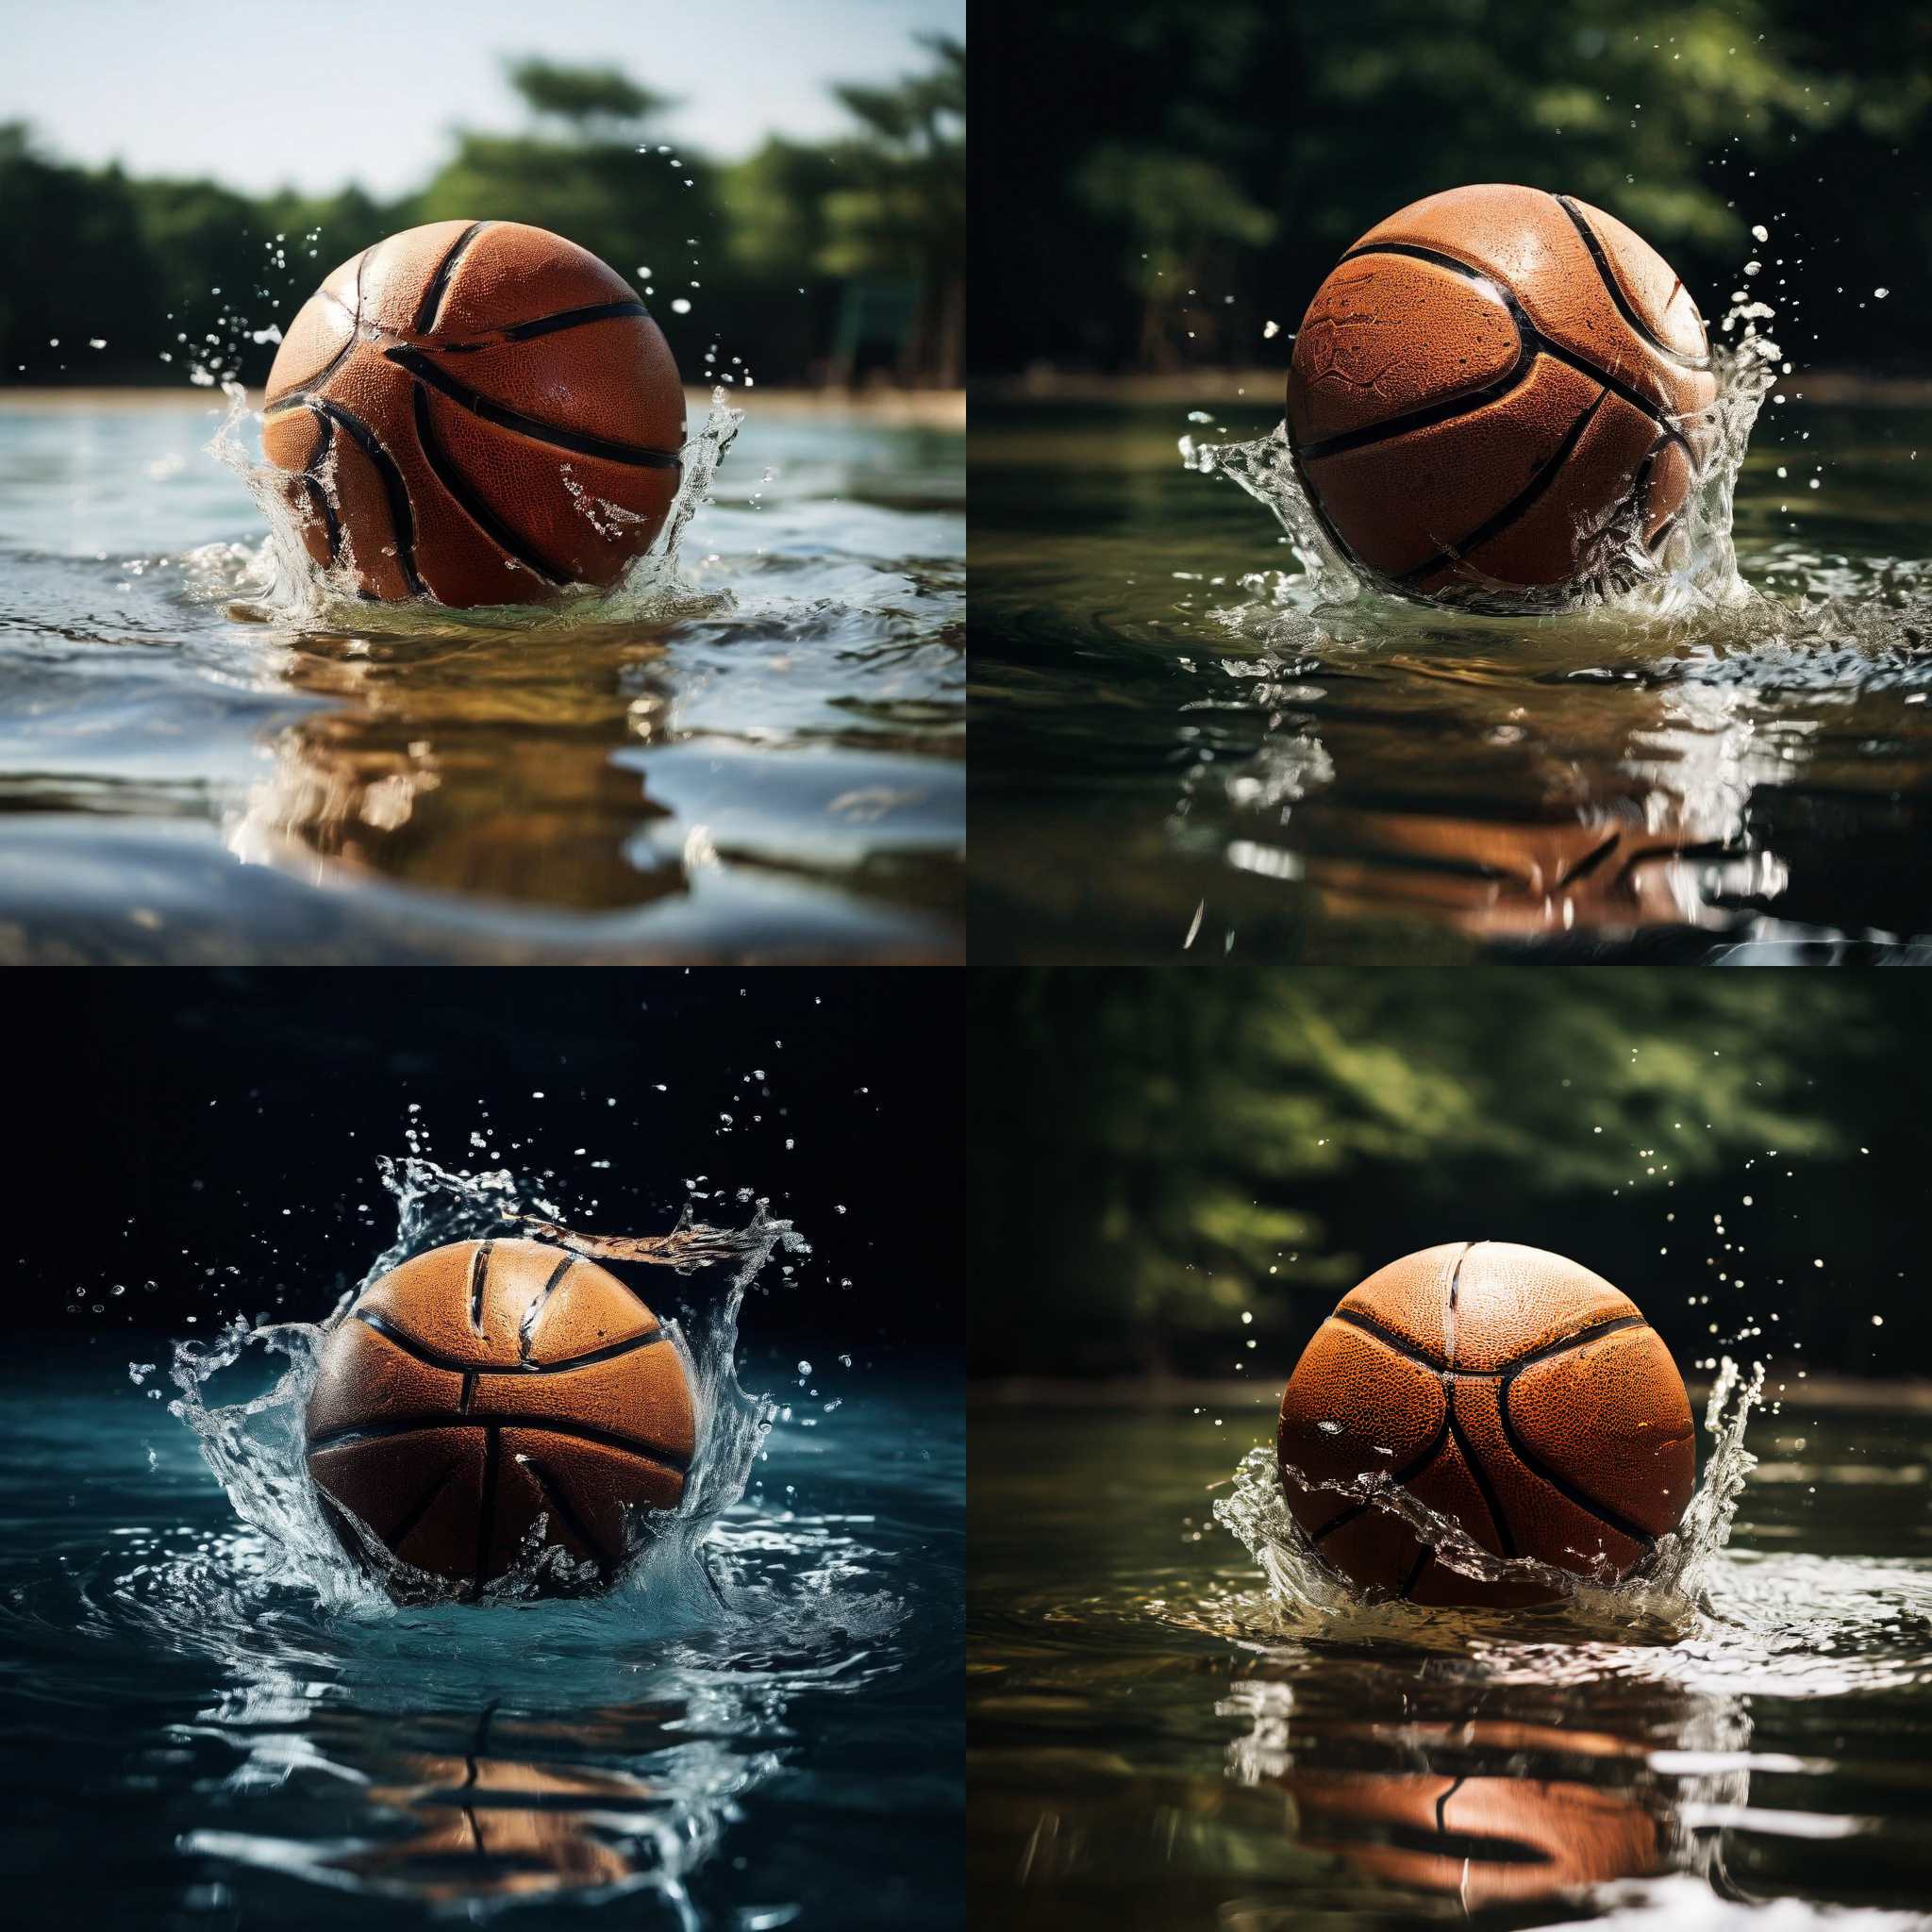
(1905, 1396)
(916, 408)
(1261, 387)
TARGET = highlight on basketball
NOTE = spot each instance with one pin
(1440, 1439)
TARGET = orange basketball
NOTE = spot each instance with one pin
(479, 411)
(1490, 381)
(1517, 1394)
(494, 1396)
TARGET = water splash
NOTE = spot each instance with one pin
(1664, 1593)
(256, 1447)
(281, 583)
(1695, 569)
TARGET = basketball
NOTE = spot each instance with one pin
(496, 1398)
(1490, 385)
(1510, 1390)
(480, 412)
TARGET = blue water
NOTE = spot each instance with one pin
(186, 1742)
(774, 770)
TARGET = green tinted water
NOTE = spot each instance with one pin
(1167, 756)
(1144, 1750)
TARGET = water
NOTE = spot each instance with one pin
(1157, 1739)
(1191, 733)
(763, 761)
(714, 1744)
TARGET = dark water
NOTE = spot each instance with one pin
(1165, 758)
(776, 773)
(183, 1744)
(1143, 1751)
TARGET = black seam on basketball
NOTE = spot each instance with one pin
(1617, 293)
(1443, 1803)
(1589, 862)
(352, 1537)
(1519, 505)
(1430, 1451)
(1454, 1283)
(401, 519)
(1492, 1501)
(469, 1392)
(1403, 1346)
(413, 1424)
(303, 390)
(485, 1514)
(1415, 1571)
(332, 531)
(445, 472)
(1562, 1485)
(546, 325)
(438, 283)
(573, 1523)
(637, 455)
(1531, 342)
(480, 1267)
(534, 1313)
(419, 1510)
(455, 1365)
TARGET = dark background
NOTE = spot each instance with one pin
(215, 1133)
(1138, 164)
(1153, 1152)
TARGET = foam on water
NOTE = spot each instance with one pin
(280, 582)
(1663, 1596)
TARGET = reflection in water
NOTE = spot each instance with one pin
(1489, 1810)
(481, 765)
(482, 1809)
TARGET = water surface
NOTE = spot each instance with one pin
(1172, 755)
(775, 770)
(188, 1740)
(1146, 1748)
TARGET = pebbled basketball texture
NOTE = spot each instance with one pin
(457, 404)
(482, 1386)
(1513, 1391)
(1489, 379)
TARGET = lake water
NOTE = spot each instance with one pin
(186, 1741)
(775, 774)
(1169, 757)
(1145, 1749)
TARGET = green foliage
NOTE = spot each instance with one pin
(1156, 1151)
(189, 271)
(1238, 150)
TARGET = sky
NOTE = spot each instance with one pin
(316, 95)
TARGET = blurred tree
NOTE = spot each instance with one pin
(1236, 151)
(1156, 1152)
(596, 102)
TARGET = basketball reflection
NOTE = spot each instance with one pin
(481, 765)
(1489, 1810)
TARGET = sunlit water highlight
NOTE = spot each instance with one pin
(777, 1667)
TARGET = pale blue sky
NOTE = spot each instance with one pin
(320, 92)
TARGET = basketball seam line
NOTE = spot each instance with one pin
(1492, 1501)
(1401, 1477)
(544, 326)
(1415, 1571)
(1529, 337)
(416, 1424)
(1442, 1803)
(430, 1359)
(418, 1510)
(486, 1513)
(1589, 862)
(1561, 1484)
(479, 1269)
(572, 1521)
(1403, 1346)
(438, 286)
(456, 486)
(637, 455)
(1519, 505)
(401, 517)
(526, 1328)
(1624, 306)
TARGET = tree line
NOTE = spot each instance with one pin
(835, 261)
(1165, 179)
